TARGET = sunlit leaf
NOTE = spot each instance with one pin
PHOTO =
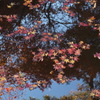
(9, 6)
(66, 60)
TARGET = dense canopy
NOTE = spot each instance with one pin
(45, 40)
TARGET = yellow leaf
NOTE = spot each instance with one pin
(8, 6)
(38, 82)
(34, 85)
(15, 76)
(81, 42)
(94, 6)
(89, 20)
(12, 4)
(51, 72)
(56, 36)
(70, 43)
(66, 60)
(63, 81)
(3, 78)
(71, 46)
(61, 72)
(31, 88)
(92, 94)
(33, 32)
(29, 33)
(54, 53)
(72, 61)
(46, 54)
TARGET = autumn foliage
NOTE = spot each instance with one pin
(28, 49)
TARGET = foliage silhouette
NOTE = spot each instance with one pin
(39, 44)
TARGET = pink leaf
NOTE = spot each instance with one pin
(60, 76)
(65, 3)
(70, 65)
(27, 37)
(0, 28)
(27, 85)
(20, 88)
(78, 52)
(97, 55)
(76, 58)
(72, 14)
(63, 8)
(83, 24)
(70, 50)
(31, 35)
(9, 20)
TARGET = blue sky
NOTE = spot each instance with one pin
(56, 90)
